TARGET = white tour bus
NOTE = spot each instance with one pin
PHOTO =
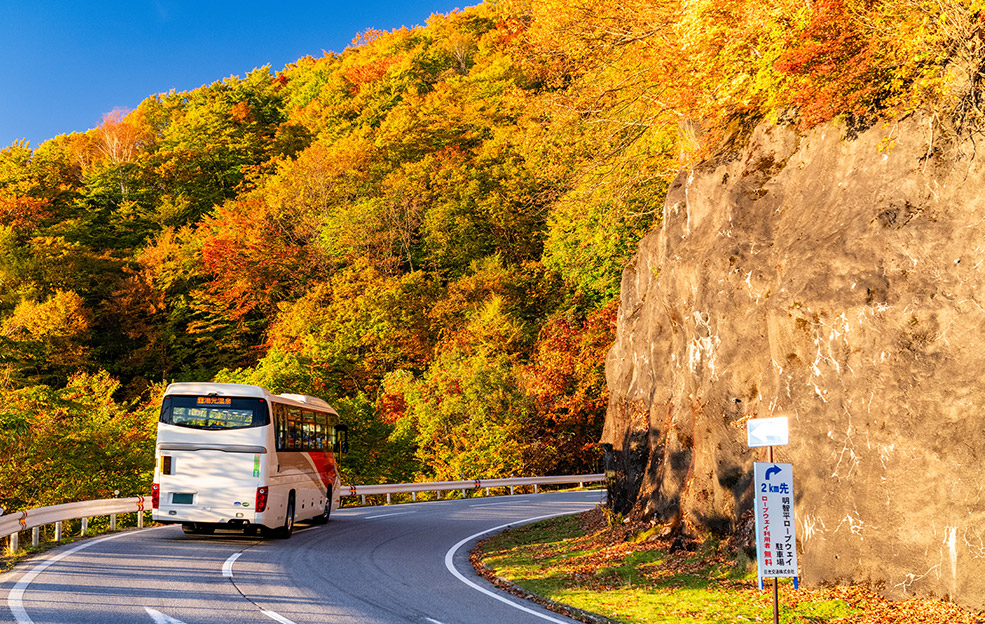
(235, 456)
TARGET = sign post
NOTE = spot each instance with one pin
(776, 535)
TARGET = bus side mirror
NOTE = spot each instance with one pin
(341, 439)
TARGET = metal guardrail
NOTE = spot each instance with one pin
(15, 522)
(12, 524)
(471, 484)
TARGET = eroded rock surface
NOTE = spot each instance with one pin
(819, 278)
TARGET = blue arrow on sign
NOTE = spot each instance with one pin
(772, 470)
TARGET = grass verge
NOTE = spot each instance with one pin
(629, 573)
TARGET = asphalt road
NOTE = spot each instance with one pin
(368, 565)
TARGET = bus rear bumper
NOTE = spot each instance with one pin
(231, 517)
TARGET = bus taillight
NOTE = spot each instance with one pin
(261, 503)
(155, 495)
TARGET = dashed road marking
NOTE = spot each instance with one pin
(227, 567)
(387, 515)
(277, 617)
(160, 618)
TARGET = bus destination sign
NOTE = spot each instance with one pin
(214, 400)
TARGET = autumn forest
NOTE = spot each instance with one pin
(427, 230)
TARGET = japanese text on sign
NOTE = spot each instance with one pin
(776, 537)
(214, 400)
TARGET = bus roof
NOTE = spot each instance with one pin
(307, 400)
(243, 390)
(218, 389)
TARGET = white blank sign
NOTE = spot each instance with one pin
(768, 431)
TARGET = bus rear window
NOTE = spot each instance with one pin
(214, 412)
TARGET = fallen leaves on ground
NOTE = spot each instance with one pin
(660, 558)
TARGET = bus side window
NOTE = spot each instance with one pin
(280, 426)
(323, 442)
(294, 430)
(308, 430)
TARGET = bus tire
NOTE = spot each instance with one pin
(190, 528)
(285, 531)
(323, 518)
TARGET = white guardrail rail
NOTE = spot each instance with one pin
(464, 485)
(13, 523)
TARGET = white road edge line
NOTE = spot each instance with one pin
(227, 567)
(277, 617)
(450, 557)
(15, 599)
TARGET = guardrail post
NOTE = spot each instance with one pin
(363, 496)
(511, 490)
(140, 519)
(35, 536)
(58, 531)
(413, 496)
(387, 498)
(112, 522)
(536, 490)
(85, 526)
(437, 494)
(14, 545)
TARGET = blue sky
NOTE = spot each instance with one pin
(65, 63)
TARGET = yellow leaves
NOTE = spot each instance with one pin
(51, 335)
(491, 329)
(61, 315)
(171, 259)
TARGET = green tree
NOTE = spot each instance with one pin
(73, 443)
(467, 415)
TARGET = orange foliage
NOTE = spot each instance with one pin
(367, 73)
(255, 257)
(241, 113)
(23, 213)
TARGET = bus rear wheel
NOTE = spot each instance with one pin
(323, 518)
(190, 528)
(285, 531)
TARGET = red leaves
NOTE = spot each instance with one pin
(250, 254)
(392, 407)
(567, 381)
(834, 65)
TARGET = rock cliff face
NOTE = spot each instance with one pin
(816, 277)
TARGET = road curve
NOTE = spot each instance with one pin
(368, 565)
